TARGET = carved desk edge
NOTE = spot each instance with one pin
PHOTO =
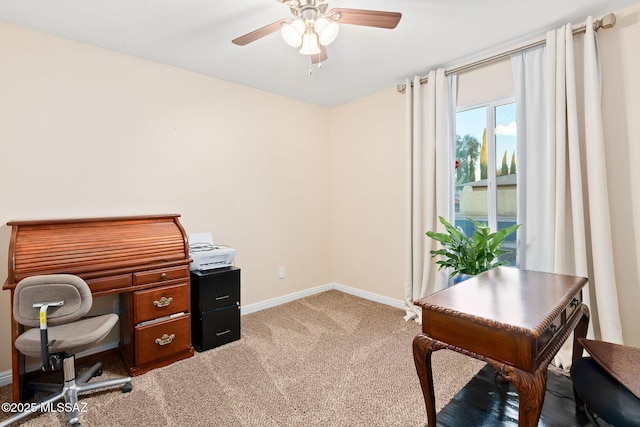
(536, 332)
(424, 344)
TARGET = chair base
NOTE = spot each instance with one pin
(68, 392)
(606, 401)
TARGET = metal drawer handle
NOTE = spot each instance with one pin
(574, 302)
(222, 333)
(163, 276)
(222, 297)
(165, 339)
(552, 328)
(163, 302)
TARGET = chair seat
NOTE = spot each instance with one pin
(70, 338)
(603, 394)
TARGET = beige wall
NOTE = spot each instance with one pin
(89, 132)
(368, 199)
(368, 181)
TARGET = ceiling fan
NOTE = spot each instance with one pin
(313, 27)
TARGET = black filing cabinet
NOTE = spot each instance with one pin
(215, 307)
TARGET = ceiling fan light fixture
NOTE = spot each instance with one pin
(292, 33)
(327, 30)
(313, 26)
(310, 44)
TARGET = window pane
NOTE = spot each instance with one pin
(471, 181)
(506, 172)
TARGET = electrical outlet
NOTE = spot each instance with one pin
(281, 273)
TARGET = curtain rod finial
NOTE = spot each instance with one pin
(607, 21)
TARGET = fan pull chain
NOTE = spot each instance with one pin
(319, 67)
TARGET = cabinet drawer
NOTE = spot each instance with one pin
(216, 328)
(160, 275)
(214, 297)
(215, 290)
(162, 339)
(158, 302)
(110, 283)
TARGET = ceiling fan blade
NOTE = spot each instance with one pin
(318, 58)
(259, 33)
(369, 18)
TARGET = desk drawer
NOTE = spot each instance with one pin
(107, 284)
(575, 302)
(557, 324)
(159, 302)
(162, 339)
(160, 275)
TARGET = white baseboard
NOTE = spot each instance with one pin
(252, 308)
(370, 296)
(5, 376)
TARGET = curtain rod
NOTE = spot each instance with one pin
(607, 21)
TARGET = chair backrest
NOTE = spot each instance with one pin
(71, 289)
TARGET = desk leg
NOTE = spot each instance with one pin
(423, 346)
(580, 332)
(531, 387)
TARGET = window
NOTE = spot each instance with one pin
(486, 169)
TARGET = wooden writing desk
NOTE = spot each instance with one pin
(513, 319)
(144, 259)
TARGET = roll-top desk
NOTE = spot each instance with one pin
(144, 259)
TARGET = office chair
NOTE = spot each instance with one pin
(53, 306)
(607, 383)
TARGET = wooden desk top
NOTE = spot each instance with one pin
(523, 300)
(505, 313)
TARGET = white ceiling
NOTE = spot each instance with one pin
(196, 35)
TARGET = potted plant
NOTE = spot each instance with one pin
(467, 256)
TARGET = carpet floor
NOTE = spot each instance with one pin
(330, 359)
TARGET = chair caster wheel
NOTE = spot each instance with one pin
(98, 373)
(127, 388)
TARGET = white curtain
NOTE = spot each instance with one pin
(430, 135)
(563, 190)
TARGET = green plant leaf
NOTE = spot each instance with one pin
(469, 255)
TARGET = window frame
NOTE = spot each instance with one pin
(492, 193)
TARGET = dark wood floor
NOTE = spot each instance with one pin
(485, 403)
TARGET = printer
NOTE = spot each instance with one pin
(206, 255)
